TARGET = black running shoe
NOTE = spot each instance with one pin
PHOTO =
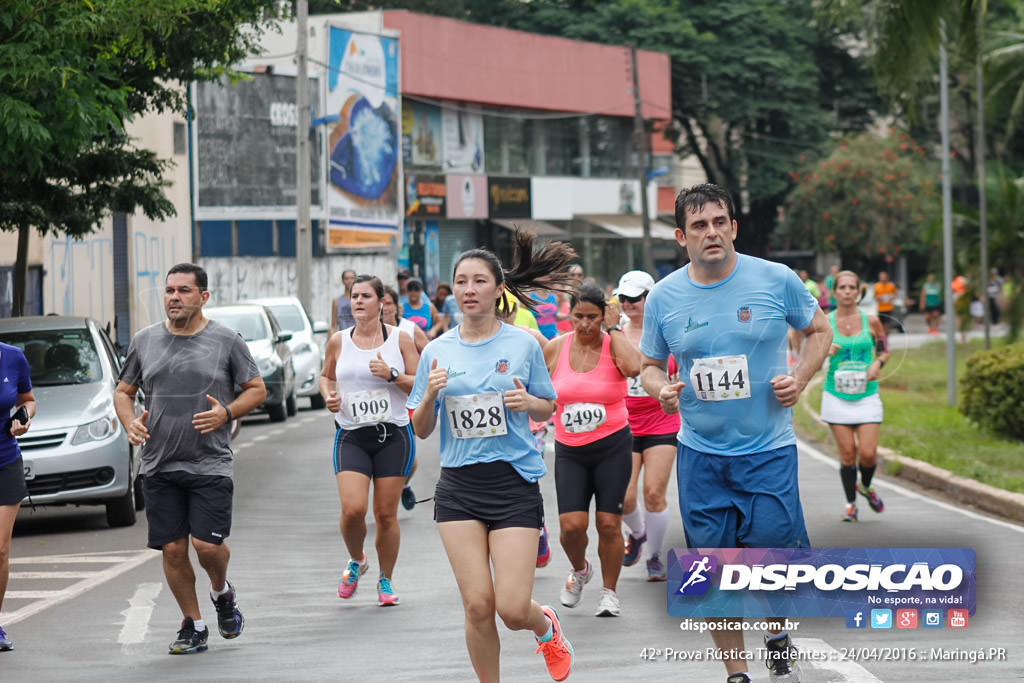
(408, 498)
(189, 639)
(230, 621)
(738, 678)
(781, 660)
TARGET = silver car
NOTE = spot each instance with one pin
(307, 344)
(76, 451)
(268, 344)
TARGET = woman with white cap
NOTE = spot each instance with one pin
(654, 442)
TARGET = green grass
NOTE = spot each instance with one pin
(920, 424)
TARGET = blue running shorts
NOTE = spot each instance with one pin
(738, 501)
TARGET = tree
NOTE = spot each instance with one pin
(72, 74)
(868, 200)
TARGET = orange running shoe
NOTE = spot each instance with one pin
(557, 650)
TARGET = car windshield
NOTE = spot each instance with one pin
(251, 325)
(58, 357)
(289, 317)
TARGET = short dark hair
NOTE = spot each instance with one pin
(693, 199)
(588, 293)
(375, 284)
(200, 275)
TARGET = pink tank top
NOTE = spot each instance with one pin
(646, 417)
(591, 405)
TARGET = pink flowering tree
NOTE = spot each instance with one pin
(872, 196)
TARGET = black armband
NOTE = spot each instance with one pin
(880, 345)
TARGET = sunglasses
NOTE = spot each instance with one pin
(632, 299)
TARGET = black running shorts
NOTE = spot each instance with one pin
(12, 483)
(598, 470)
(492, 492)
(181, 504)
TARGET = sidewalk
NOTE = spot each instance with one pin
(963, 491)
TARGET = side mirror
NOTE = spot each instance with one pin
(283, 337)
(320, 327)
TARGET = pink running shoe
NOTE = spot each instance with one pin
(385, 593)
(350, 578)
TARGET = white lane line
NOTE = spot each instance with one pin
(804, 447)
(275, 432)
(74, 590)
(261, 437)
(51, 575)
(818, 654)
(309, 418)
(136, 617)
(97, 558)
(31, 595)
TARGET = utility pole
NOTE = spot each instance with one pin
(303, 227)
(982, 198)
(640, 144)
(947, 224)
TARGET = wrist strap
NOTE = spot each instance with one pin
(228, 411)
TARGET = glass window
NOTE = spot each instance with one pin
(251, 326)
(507, 143)
(289, 317)
(58, 357)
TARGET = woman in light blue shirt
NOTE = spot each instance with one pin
(486, 379)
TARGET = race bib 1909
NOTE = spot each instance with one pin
(476, 415)
(720, 378)
(369, 407)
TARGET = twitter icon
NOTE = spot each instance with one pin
(881, 618)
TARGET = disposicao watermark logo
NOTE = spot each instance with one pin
(849, 583)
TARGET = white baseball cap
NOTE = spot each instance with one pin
(634, 283)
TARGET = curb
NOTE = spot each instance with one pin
(1005, 504)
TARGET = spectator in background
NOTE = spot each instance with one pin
(421, 310)
(545, 310)
(994, 293)
(404, 275)
(885, 298)
(443, 291)
(931, 303)
(830, 284)
(449, 307)
(341, 310)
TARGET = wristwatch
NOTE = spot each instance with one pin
(614, 328)
(394, 375)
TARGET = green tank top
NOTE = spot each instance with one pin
(848, 368)
(932, 294)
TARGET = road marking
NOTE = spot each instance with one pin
(828, 658)
(121, 562)
(261, 437)
(275, 432)
(136, 617)
(804, 447)
(51, 575)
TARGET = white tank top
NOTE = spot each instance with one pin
(409, 326)
(365, 398)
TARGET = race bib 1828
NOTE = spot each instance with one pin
(476, 415)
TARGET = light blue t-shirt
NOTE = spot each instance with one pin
(747, 313)
(484, 368)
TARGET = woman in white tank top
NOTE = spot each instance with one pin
(368, 372)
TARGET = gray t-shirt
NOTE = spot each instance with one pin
(176, 372)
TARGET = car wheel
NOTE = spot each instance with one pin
(291, 406)
(121, 512)
(317, 402)
(278, 413)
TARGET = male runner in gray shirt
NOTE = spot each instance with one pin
(187, 367)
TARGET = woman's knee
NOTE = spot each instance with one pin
(515, 614)
(479, 608)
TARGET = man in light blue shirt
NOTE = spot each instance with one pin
(724, 317)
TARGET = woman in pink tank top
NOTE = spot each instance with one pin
(593, 444)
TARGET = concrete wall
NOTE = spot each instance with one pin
(240, 278)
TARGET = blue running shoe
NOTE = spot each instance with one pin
(230, 621)
(189, 639)
(633, 547)
(5, 642)
(543, 549)
(408, 497)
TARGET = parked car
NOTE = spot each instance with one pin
(268, 344)
(76, 451)
(307, 344)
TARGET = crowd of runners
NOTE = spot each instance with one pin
(520, 369)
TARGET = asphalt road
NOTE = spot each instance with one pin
(89, 603)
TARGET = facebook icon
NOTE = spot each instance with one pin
(856, 619)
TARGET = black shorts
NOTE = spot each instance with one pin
(12, 483)
(377, 451)
(933, 309)
(642, 443)
(598, 470)
(181, 504)
(491, 492)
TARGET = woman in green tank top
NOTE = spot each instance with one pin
(850, 403)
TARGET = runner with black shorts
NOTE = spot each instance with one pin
(654, 442)
(487, 379)
(368, 371)
(188, 367)
(593, 444)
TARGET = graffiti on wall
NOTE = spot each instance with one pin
(153, 256)
(79, 277)
(239, 279)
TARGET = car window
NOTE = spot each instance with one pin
(251, 326)
(58, 357)
(289, 317)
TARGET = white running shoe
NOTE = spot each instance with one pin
(608, 606)
(572, 591)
